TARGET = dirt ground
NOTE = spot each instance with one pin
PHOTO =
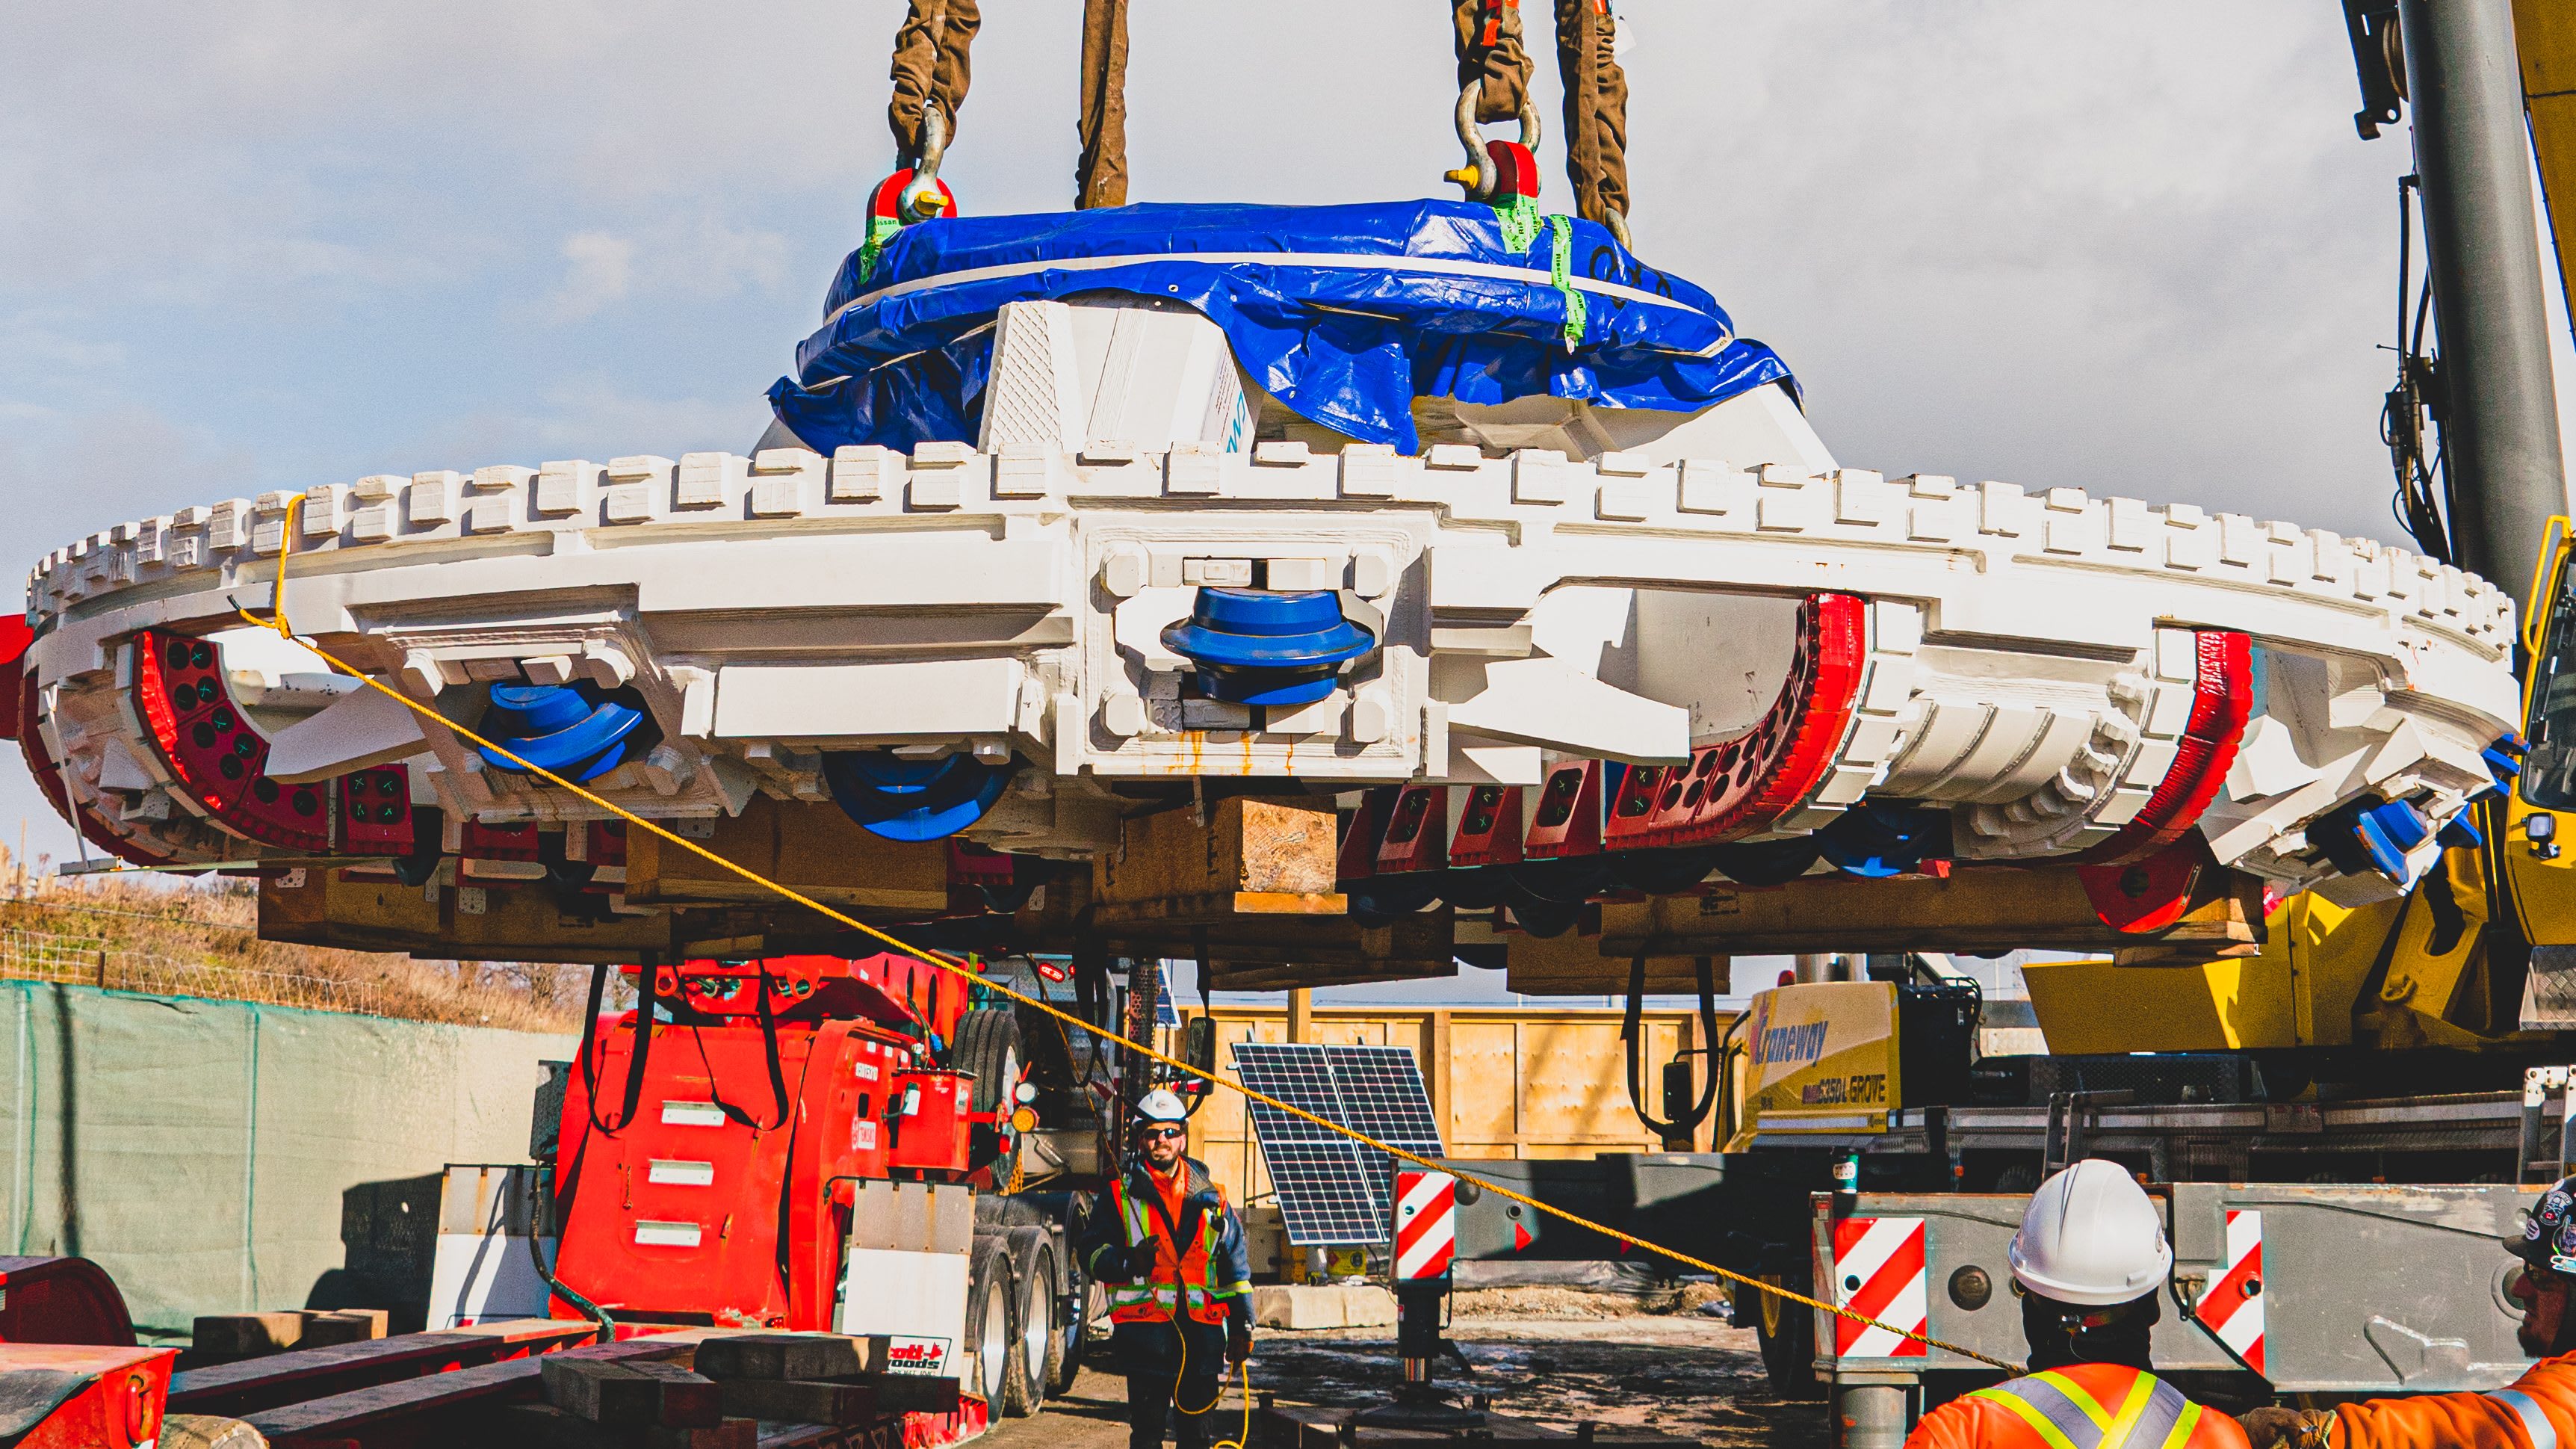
(1555, 1355)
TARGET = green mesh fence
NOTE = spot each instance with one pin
(225, 1157)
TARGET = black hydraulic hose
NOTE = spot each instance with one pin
(1632, 1046)
(546, 1275)
(1724, 1067)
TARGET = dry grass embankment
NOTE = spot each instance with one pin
(201, 938)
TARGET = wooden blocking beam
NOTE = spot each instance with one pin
(247, 1335)
(1266, 953)
(724, 1434)
(799, 1401)
(322, 906)
(1255, 856)
(1988, 908)
(324, 1330)
(543, 1426)
(1573, 965)
(791, 1356)
(808, 845)
(916, 1394)
(632, 1392)
(376, 1320)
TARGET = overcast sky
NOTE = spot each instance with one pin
(269, 245)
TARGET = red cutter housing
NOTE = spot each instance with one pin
(2222, 700)
(1742, 786)
(1489, 828)
(1568, 819)
(219, 761)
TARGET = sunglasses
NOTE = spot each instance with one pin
(1156, 1134)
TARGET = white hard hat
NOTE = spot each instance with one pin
(1161, 1105)
(2091, 1237)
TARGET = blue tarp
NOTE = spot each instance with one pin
(1345, 314)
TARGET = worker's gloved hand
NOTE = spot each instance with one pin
(2294, 1428)
(1238, 1344)
(1140, 1262)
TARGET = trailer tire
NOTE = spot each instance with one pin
(988, 1045)
(989, 1322)
(1037, 1341)
(1788, 1336)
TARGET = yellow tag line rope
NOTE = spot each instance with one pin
(948, 964)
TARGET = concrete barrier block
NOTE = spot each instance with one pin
(1323, 1305)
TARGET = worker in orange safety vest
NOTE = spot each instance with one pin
(2091, 1260)
(1178, 1271)
(2537, 1411)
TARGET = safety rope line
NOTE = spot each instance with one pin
(957, 968)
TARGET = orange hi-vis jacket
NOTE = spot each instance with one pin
(1199, 1278)
(2081, 1406)
(2538, 1411)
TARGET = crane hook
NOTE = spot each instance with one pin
(1480, 176)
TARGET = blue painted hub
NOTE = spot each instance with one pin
(904, 799)
(1883, 840)
(2387, 832)
(558, 727)
(1265, 646)
(2504, 760)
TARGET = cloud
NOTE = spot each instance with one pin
(601, 270)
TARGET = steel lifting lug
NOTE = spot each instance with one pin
(1480, 175)
(923, 197)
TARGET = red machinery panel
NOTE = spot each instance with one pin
(933, 1124)
(61, 1300)
(1417, 832)
(375, 812)
(58, 1396)
(219, 761)
(1358, 857)
(1568, 819)
(15, 636)
(1740, 786)
(2146, 895)
(500, 842)
(1489, 828)
(2222, 698)
(679, 1211)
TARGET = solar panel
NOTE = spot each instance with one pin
(1333, 1190)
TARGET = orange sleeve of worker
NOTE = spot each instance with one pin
(1964, 1424)
(2468, 1421)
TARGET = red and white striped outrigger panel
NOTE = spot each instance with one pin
(1426, 1223)
(2233, 1305)
(1878, 1273)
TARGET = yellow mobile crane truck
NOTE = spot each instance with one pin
(2417, 1038)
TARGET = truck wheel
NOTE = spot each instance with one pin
(1036, 1340)
(1788, 1334)
(988, 1045)
(989, 1329)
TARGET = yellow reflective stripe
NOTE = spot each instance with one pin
(2141, 1389)
(2030, 1414)
(2183, 1427)
(2076, 1394)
